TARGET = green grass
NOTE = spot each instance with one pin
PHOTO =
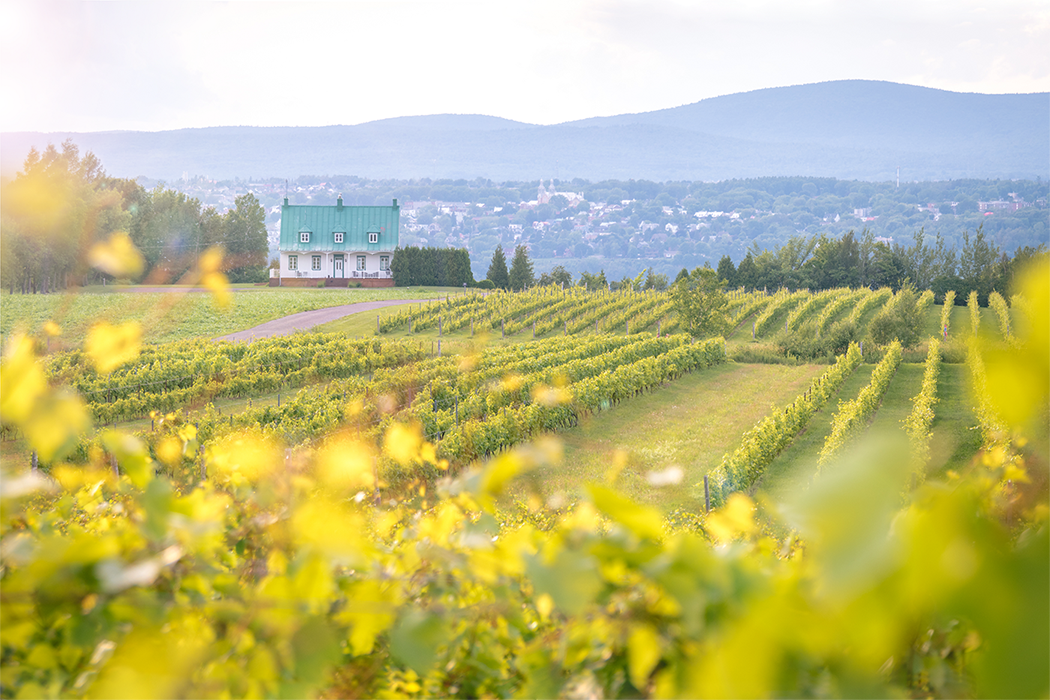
(956, 438)
(689, 423)
(178, 314)
(897, 401)
(795, 466)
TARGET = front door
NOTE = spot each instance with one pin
(339, 266)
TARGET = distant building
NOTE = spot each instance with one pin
(1002, 206)
(336, 244)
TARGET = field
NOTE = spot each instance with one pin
(503, 494)
(179, 314)
(687, 424)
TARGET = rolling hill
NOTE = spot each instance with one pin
(853, 129)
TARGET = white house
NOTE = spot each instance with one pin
(337, 245)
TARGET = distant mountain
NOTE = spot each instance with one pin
(851, 129)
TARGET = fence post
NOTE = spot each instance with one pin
(34, 462)
(471, 328)
(379, 329)
(534, 329)
(657, 329)
(566, 328)
(278, 399)
(503, 329)
(707, 495)
(627, 327)
(439, 326)
(439, 348)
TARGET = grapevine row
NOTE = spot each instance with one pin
(785, 302)
(879, 298)
(813, 305)
(837, 306)
(852, 417)
(946, 311)
(996, 301)
(744, 467)
(917, 423)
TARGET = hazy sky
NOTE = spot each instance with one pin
(155, 65)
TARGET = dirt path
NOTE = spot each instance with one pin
(309, 319)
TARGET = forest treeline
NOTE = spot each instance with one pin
(825, 262)
(62, 203)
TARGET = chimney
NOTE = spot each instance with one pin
(395, 203)
(339, 202)
(285, 201)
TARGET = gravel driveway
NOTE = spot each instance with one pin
(309, 319)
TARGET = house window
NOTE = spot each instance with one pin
(304, 236)
(361, 263)
(338, 236)
(316, 263)
(373, 237)
(384, 262)
(293, 262)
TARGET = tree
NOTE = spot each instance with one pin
(558, 276)
(655, 281)
(701, 301)
(521, 269)
(727, 271)
(899, 320)
(244, 237)
(53, 211)
(497, 273)
(979, 265)
(747, 273)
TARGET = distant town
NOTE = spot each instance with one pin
(664, 225)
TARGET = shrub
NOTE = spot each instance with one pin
(898, 320)
(805, 344)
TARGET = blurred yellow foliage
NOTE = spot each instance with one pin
(734, 520)
(347, 463)
(212, 277)
(110, 346)
(403, 442)
(117, 256)
(244, 457)
(1018, 375)
(21, 378)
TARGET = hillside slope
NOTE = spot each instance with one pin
(851, 129)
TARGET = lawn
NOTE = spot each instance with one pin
(689, 424)
(897, 401)
(956, 438)
(795, 466)
(180, 313)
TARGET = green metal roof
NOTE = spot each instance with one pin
(354, 222)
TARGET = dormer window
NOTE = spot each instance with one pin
(373, 237)
(304, 236)
(338, 236)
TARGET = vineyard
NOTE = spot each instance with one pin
(328, 515)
